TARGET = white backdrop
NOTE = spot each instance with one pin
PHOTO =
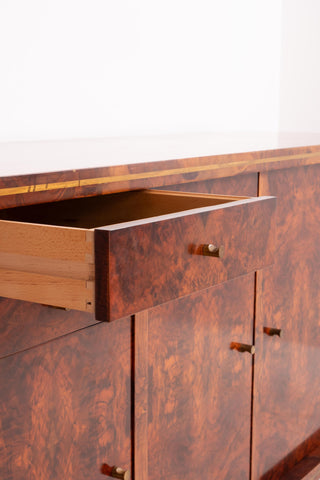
(300, 70)
(90, 68)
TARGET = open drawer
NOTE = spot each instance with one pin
(156, 246)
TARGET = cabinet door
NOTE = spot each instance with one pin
(193, 392)
(286, 418)
(65, 406)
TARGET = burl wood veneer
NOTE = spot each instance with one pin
(24, 325)
(56, 254)
(161, 393)
(198, 396)
(308, 468)
(65, 405)
(38, 172)
(286, 387)
(141, 265)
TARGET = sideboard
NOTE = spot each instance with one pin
(160, 308)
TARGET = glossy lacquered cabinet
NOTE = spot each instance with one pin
(198, 400)
(65, 404)
(196, 351)
(286, 386)
(287, 382)
(157, 246)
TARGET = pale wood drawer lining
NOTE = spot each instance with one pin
(47, 264)
(47, 251)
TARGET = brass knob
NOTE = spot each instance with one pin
(243, 347)
(272, 331)
(115, 472)
(211, 250)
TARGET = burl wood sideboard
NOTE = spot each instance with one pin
(160, 308)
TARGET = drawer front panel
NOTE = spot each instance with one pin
(145, 263)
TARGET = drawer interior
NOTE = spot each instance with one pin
(47, 251)
(92, 212)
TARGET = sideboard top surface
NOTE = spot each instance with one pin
(36, 172)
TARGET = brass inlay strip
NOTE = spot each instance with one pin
(151, 174)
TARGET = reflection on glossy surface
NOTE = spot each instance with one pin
(19, 158)
(287, 387)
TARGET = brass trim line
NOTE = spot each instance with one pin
(143, 175)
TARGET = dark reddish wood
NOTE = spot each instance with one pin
(294, 458)
(55, 186)
(24, 325)
(238, 185)
(115, 472)
(199, 396)
(307, 469)
(141, 339)
(95, 212)
(145, 263)
(106, 469)
(286, 387)
(65, 406)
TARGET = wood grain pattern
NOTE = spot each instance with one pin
(295, 459)
(58, 243)
(246, 184)
(199, 395)
(47, 290)
(18, 158)
(150, 262)
(287, 390)
(89, 213)
(47, 264)
(65, 406)
(33, 264)
(48, 187)
(141, 336)
(307, 469)
(24, 325)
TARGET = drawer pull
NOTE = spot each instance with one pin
(272, 331)
(115, 472)
(212, 250)
(243, 347)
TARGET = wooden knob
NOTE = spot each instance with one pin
(272, 331)
(212, 250)
(243, 347)
(115, 472)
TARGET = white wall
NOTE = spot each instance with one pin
(81, 68)
(300, 71)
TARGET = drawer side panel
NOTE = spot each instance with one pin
(46, 264)
(47, 290)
